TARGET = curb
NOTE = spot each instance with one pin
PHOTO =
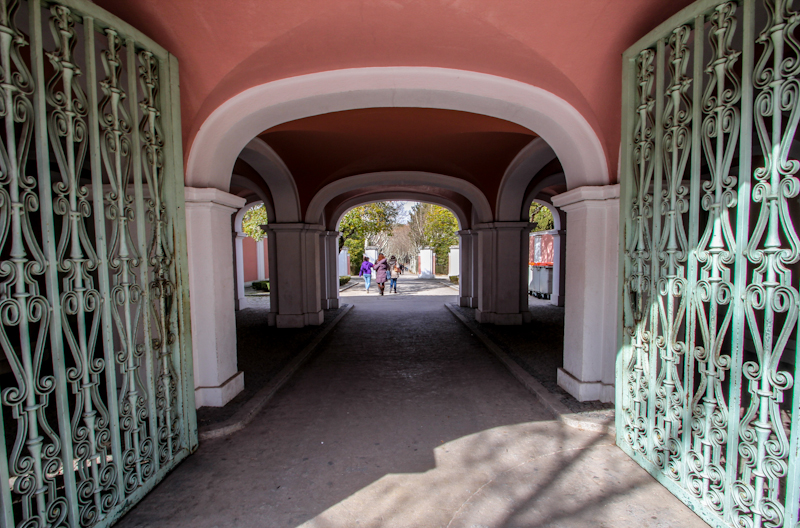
(245, 415)
(551, 401)
(347, 286)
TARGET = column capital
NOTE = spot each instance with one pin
(586, 196)
(466, 232)
(501, 225)
(209, 196)
(295, 226)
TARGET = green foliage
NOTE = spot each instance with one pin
(252, 222)
(261, 285)
(441, 231)
(367, 220)
(361, 223)
(343, 279)
(355, 247)
(454, 279)
(541, 217)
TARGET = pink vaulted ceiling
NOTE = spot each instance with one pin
(321, 149)
(570, 47)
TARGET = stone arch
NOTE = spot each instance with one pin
(352, 203)
(234, 124)
(511, 198)
(480, 205)
(265, 161)
(553, 211)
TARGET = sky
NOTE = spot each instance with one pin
(405, 213)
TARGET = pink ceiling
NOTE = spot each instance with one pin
(320, 149)
(570, 47)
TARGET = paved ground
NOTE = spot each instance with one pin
(404, 420)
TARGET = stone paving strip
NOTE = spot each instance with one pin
(585, 421)
(250, 408)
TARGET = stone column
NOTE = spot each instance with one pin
(590, 319)
(296, 274)
(426, 264)
(474, 268)
(212, 295)
(466, 275)
(260, 268)
(502, 273)
(453, 261)
(331, 290)
(238, 240)
(324, 275)
(559, 261)
(344, 262)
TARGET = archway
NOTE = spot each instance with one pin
(253, 128)
(234, 123)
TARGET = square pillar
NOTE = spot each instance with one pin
(426, 264)
(260, 267)
(297, 299)
(239, 254)
(502, 273)
(559, 262)
(453, 261)
(332, 268)
(210, 249)
(590, 317)
(467, 273)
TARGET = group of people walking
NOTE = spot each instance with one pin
(385, 271)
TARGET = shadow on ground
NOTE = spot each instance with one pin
(404, 420)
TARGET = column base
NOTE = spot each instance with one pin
(499, 319)
(219, 396)
(557, 300)
(585, 390)
(426, 276)
(299, 320)
(330, 304)
(465, 302)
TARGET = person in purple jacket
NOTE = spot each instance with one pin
(381, 271)
(366, 272)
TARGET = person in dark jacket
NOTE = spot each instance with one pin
(381, 271)
(366, 272)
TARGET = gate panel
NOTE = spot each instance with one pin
(96, 390)
(706, 396)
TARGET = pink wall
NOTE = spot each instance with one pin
(546, 255)
(249, 259)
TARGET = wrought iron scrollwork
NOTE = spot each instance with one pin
(90, 402)
(715, 343)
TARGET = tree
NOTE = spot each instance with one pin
(367, 223)
(400, 244)
(252, 222)
(541, 217)
(435, 227)
(416, 224)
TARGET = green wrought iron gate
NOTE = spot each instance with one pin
(707, 399)
(96, 393)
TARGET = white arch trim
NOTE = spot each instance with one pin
(239, 218)
(274, 172)
(228, 129)
(553, 211)
(398, 178)
(518, 175)
(352, 203)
